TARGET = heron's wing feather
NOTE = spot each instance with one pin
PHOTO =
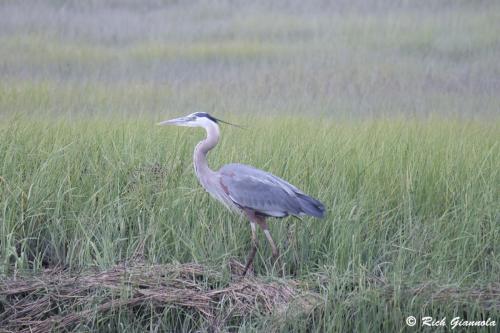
(261, 191)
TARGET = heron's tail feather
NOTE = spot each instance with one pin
(311, 206)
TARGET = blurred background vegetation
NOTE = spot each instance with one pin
(340, 58)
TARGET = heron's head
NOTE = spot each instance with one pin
(197, 119)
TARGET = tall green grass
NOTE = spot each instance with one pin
(408, 202)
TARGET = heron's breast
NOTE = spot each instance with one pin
(217, 190)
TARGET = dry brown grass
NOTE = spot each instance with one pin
(58, 299)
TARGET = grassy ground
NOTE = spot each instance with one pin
(409, 203)
(387, 113)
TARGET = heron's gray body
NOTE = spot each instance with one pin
(245, 189)
(266, 194)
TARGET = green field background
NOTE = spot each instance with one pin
(388, 112)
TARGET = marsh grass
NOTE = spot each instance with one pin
(409, 202)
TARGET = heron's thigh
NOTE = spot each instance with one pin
(261, 221)
(254, 218)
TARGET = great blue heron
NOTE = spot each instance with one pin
(245, 189)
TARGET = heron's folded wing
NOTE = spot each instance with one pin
(257, 190)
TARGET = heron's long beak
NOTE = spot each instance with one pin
(176, 121)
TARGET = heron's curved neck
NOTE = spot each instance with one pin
(202, 149)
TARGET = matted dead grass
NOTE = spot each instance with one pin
(61, 300)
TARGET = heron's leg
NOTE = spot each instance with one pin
(274, 249)
(276, 253)
(262, 223)
(253, 250)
